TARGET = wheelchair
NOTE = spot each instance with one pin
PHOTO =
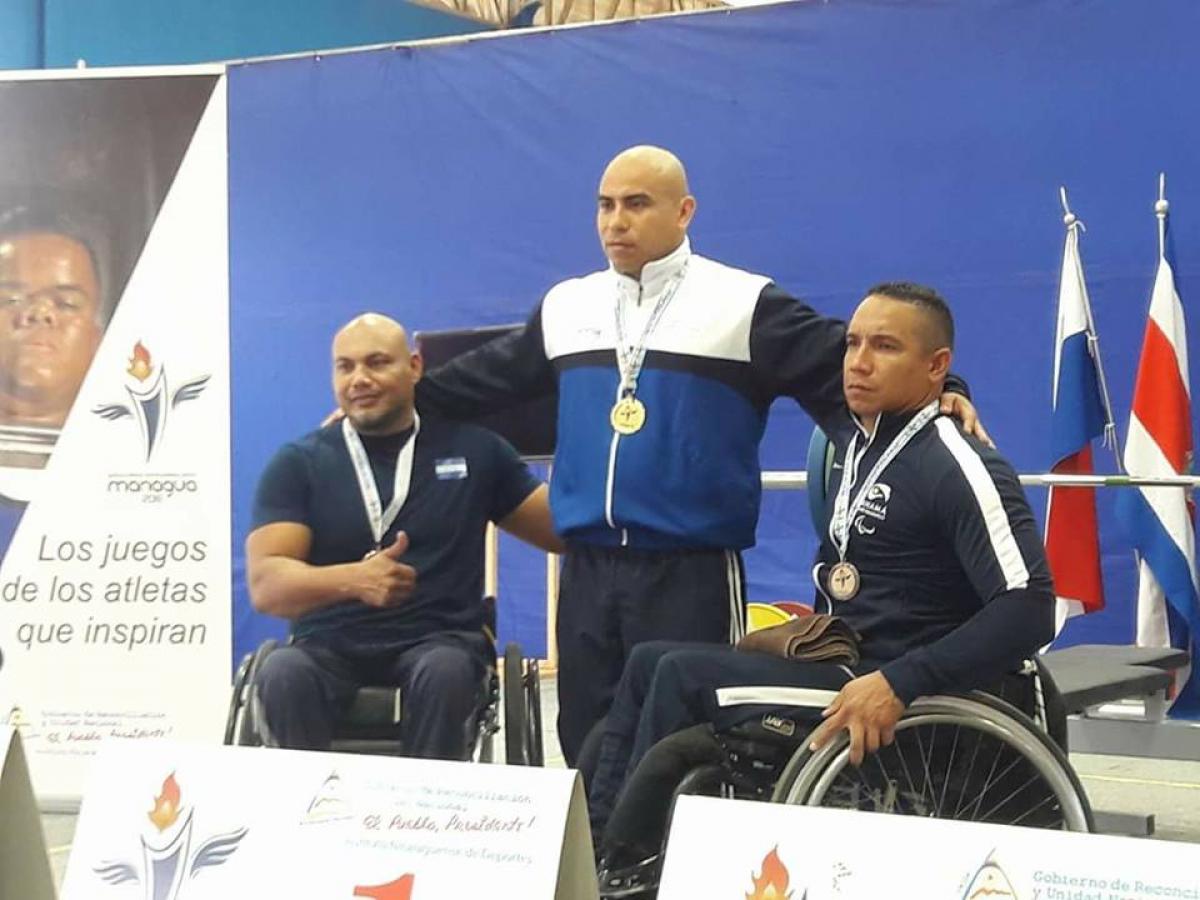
(997, 756)
(371, 725)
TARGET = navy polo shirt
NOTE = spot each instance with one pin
(463, 477)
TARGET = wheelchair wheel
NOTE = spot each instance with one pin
(517, 749)
(966, 758)
(533, 699)
(237, 698)
(242, 730)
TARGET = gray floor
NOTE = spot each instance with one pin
(1168, 789)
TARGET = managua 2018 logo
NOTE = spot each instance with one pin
(167, 861)
(151, 397)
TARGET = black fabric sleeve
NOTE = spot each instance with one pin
(797, 352)
(284, 491)
(512, 481)
(983, 512)
(499, 375)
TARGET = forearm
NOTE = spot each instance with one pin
(992, 642)
(290, 588)
(497, 376)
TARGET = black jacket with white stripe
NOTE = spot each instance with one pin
(955, 588)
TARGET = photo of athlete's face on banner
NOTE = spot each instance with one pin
(85, 165)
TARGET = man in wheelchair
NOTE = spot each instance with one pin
(368, 536)
(931, 561)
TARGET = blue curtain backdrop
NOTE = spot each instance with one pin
(831, 145)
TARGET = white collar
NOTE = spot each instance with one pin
(657, 273)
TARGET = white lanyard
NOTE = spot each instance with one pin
(629, 362)
(843, 510)
(381, 519)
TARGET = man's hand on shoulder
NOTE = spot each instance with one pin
(867, 708)
(961, 408)
(382, 579)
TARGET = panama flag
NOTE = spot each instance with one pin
(1160, 519)
(1081, 413)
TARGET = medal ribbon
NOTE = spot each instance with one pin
(843, 510)
(381, 519)
(629, 362)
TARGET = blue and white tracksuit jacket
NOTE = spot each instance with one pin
(728, 344)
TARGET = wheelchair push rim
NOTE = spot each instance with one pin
(969, 759)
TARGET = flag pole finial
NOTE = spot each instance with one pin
(1069, 218)
(1161, 206)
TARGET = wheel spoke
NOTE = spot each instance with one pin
(1049, 798)
(948, 769)
(927, 784)
(958, 806)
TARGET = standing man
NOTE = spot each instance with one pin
(369, 537)
(665, 365)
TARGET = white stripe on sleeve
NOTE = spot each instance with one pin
(991, 507)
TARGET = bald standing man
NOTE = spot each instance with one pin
(368, 537)
(665, 365)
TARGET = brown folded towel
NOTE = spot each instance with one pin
(815, 638)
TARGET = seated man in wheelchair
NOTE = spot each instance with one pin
(368, 535)
(931, 557)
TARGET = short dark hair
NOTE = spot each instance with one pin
(22, 219)
(929, 301)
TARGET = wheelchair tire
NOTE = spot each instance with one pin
(1028, 780)
(533, 699)
(246, 732)
(517, 750)
(237, 698)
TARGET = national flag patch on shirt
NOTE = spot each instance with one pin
(453, 468)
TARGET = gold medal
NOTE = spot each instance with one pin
(843, 581)
(628, 415)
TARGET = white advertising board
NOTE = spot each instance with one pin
(766, 851)
(184, 822)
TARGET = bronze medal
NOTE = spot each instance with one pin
(843, 581)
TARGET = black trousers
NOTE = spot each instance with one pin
(305, 687)
(666, 690)
(613, 598)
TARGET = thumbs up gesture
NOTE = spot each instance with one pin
(383, 579)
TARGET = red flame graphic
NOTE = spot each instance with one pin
(166, 805)
(400, 889)
(140, 363)
(772, 883)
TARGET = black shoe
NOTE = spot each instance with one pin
(637, 880)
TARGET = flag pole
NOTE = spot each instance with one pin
(1110, 426)
(1161, 208)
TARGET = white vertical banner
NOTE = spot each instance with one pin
(116, 589)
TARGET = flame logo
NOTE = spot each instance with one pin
(400, 889)
(139, 363)
(772, 883)
(166, 805)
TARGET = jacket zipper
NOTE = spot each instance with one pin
(610, 484)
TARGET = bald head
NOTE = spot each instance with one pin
(655, 164)
(377, 325)
(374, 374)
(644, 207)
